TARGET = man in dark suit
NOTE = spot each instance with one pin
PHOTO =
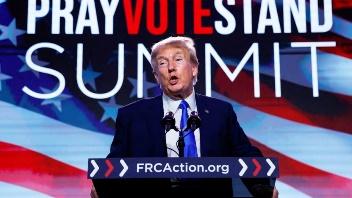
(140, 134)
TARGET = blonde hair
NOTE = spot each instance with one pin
(179, 42)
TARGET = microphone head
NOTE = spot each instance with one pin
(193, 121)
(169, 121)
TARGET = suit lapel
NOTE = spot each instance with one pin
(205, 116)
(154, 116)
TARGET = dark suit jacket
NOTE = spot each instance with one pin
(139, 133)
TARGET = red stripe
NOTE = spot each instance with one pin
(337, 4)
(343, 45)
(341, 4)
(41, 173)
(306, 178)
(331, 111)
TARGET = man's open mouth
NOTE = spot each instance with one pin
(173, 80)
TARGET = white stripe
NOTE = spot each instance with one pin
(288, 191)
(341, 27)
(58, 140)
(14, 191)
(334, 72)
(324, 149)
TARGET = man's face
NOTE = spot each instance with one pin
(175, 72)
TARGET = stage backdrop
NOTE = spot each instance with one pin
(67, 66)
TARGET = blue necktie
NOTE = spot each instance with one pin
(190, 149)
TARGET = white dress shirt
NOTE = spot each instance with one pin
(172, 136)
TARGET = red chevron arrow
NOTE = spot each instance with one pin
(110, 168)
(258, 167)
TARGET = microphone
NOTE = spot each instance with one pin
(193, 121)
(169, 122)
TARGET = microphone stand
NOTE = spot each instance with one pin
(193, 123)
(181, 144)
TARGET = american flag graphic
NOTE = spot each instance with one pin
(45, 143)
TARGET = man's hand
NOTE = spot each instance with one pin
(275, 193)
(93, 193)
(267, 191)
